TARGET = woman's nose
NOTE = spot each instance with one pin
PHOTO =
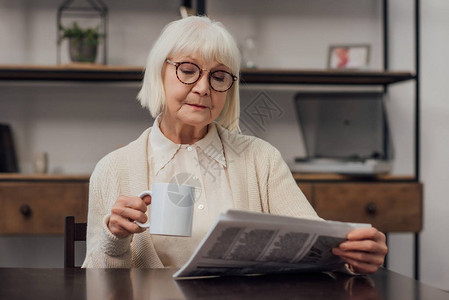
(202, 86)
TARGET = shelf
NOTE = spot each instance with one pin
(73, 72)
(266, 76)
(89, 72)
(16, 177)
(301, 177)
(328, 177)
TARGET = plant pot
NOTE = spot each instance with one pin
(82, 50)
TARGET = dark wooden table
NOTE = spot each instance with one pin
(158, 284)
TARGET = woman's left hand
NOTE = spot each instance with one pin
(364, 250)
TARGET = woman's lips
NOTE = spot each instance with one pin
(197, 106)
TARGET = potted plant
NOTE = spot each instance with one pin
(83, 43)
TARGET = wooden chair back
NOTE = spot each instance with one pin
(73, 232)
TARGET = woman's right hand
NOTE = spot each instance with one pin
(125, 211)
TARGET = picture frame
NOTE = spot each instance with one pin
(349, 57)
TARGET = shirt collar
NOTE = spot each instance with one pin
(163, 149)
(212, 146)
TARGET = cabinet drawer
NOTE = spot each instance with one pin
(389, 207)
(40, 207)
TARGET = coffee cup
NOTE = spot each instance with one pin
(171, 209)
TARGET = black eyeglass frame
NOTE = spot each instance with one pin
(177, 64)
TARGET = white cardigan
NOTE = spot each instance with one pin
(259, 178)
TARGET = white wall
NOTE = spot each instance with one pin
(78, 123)
(435, 142)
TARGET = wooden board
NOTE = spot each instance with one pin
(40, 207)
(97, 72)
(390, 207)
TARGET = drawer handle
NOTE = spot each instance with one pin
(371, 208)
(26, 211)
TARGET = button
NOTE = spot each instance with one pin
(195, 177)
(189, 148)
(201, 206)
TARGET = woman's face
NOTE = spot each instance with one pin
(194, 104)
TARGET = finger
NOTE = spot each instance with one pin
(125, 224)
(132, 227)
(116, 228)
(129, 214)
(123, 232)
(361, 267)
(365, 245)
(366, 233)
(363, 257)
(147, 200)
(141, 229)
(131, 202)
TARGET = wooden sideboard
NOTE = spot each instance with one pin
(389, 203)
(37, 204)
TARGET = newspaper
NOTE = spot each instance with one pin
(241, 243)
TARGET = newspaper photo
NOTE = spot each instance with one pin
(242, 243)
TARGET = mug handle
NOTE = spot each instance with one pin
(142, 195)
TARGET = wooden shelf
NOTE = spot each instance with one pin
(328, 177)
(16, 177)
(301, 177)
(323, 77)
(72, 72)
(93, 72)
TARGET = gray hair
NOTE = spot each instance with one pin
(189, 36)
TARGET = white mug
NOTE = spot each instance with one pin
(171, 209)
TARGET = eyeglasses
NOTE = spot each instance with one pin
(189, 73)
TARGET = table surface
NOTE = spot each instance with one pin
(23, 283)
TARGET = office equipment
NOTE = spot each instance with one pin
(344, 132)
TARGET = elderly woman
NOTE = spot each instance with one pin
(191, 89)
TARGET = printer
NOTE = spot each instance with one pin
(344, 133)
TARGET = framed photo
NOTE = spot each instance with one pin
(352, 57)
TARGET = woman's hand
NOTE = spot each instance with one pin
(364, 250)
(125, 211)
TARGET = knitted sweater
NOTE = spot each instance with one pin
(259, 178)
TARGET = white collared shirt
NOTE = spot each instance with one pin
(202, 165)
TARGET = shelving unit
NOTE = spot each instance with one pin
(248, 76)
(298, 176)
(309, 183)
(36, 204)
(16, 177)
